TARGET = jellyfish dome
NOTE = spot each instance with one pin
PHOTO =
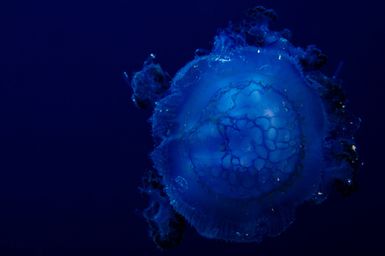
(243, 135)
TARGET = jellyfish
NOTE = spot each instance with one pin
(243, 135)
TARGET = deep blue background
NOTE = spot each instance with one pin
(73, 147)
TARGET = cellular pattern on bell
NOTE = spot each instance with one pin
(243, 135)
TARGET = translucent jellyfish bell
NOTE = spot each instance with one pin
(244, 134)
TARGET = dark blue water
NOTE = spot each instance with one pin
(73, 148)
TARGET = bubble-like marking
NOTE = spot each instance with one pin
(263, 123)
(271, 133)
(181, 184)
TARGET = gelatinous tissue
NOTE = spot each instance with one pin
(243, 134)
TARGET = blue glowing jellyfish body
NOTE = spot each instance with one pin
(246, 133)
